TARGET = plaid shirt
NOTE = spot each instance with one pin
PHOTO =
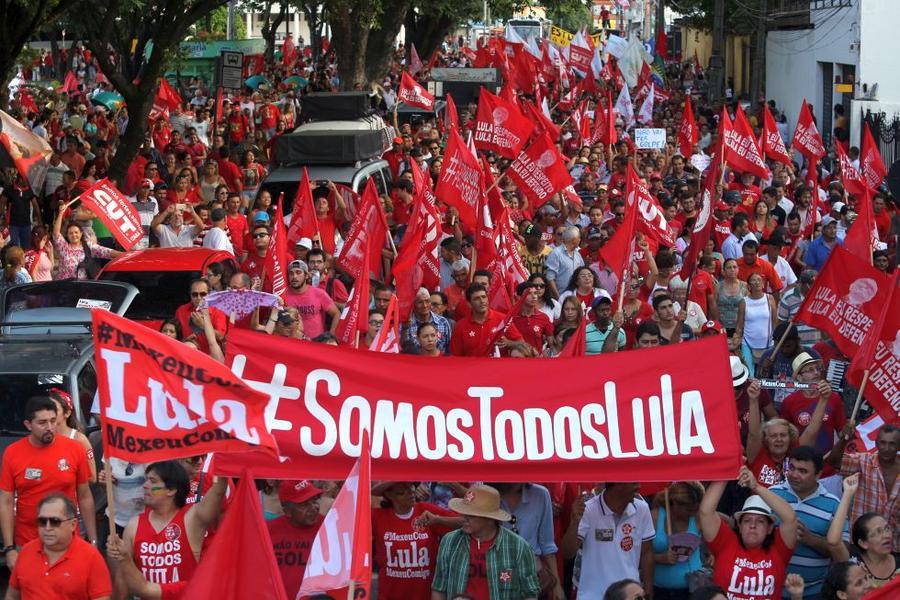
(510, 554)
(871, 496)
(440, 323)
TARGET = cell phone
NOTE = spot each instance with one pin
(322, 183)
(180, 207)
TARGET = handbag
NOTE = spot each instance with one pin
(90, 265)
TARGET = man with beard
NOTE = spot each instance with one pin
(313, 303)
(38, 465)
(293, 533)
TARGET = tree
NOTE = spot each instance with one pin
(271, 22)
(216, 25)
(130, 39)
(19, 20)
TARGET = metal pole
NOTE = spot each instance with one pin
(757, 75)
(229, 23)
(716, 59)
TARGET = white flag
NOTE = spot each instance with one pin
(624, 107)
(645, 114)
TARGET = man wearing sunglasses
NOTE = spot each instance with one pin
(191, 321)
(59, 560)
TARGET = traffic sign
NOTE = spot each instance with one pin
(231, 69)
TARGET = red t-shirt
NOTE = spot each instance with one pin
(31, 473)
(766, 470)
(798, 409)
(702, 285)
(477, 584)
(471, 338)
(644, 313)
(218, 318)
(749, 196)
(268, 116)
(238, 125)
(533, 328)
(255, 265)
(164, 556)
(746, 574)
(80, 573)
(721, 231)
(292, 546)
(406, 555)
(232, 174)
(237, 229)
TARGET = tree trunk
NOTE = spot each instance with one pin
(139, 106)
(380, 50)
(428, 33)
(55, 55)
(350, 44)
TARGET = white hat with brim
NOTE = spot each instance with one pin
(739, 371)
(754, 505)
(803, 359)
(480, 501)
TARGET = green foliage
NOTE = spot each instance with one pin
(218, 21)
(740, 17)
(571, 15)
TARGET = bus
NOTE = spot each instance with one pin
(530, 27)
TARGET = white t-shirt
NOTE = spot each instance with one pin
(784, 270)
(611, 545)
(169, 239)
(217, 239)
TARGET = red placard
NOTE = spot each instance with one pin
(654, 416)
(116, 212)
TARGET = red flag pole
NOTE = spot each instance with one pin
(859, 395)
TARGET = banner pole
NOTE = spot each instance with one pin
(859, 395)
(668, 513)
(110, 505)
(351, 590)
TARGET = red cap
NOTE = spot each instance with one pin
(398, 140)
(712, 326)
(148, 183)
(722, 205)
(297, 491)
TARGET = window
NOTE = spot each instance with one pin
(86, 381)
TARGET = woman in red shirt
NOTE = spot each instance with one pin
(407, 535)
(762, 222)
(184, 192)
(751, 559)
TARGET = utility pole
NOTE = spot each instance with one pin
(717, 59)
(229, 22)
(758, 71)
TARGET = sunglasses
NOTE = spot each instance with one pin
(52, 521)
(198, 294)
(257, 236)
(539, 285)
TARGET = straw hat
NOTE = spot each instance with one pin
(480, 501)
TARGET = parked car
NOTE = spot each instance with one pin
(163, 276)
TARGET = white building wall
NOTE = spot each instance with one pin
(294, 23)
(793, 58)
(878, 59)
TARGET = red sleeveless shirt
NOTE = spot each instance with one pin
(164, 556)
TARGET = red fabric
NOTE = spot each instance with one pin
(477, 586)
(451, 117)
(303, 216)
(133, 361)
(355, 317)
(539, 171)
(79, 573)
(164, 556)
(835, 303)
(370, 227)
(31, 473)
(576, 345)
(238, 127)
(870, 162)
(878, 354)
(292, 546)
(534, 328)
(748, 574)
(688, 134)
(116, 212)
(458, 184)
(772, 144)
(798, 409)
(240, 562)
(863, 236)
(500, 126)
(741, 150)
(885, 593)
(807, 140)
(334, 378)
(414, 94)
(406, 554)
(619, 248)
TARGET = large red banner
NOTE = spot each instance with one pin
(161, 400)
(661, 415)
(116, 212)
(845, 299)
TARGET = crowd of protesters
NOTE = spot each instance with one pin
(806, 518)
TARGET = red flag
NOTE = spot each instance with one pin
(542, 123)
(499, 126)
(879, 352)
(618, 250)
(741, 151)
(850, 176)
(275, 264)
(772, 144)
(355, 316)
(415, 63)
(576, 344)
(844, 301)
(388, 338)
(499, 330)
(539, 171)
(870, 162)
(580, 55)
(341, 553)
(807, 140)
(167, 95)
(288, 51)
(304, 222)
(29, 153)
(862, 238)
(451, 118)
(662, 42)
(369, 226)
(70, 83)
(116, 212)
(813, 214)
(414, 94)
(688, 134)
(240, 561)
(219, 106)
(458, 183)
(703, 225)
(162, 400)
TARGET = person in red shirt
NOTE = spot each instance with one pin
(236, 223)
(395, 157)
(474, 335)
(230, 172)
(293, 533)
(818, 413)
(254, 260)
(750, 560)
(534, 324)
(176, 145)
(269, 115)
(882, 216)
(35, 466)
(407, 534)
(318, 275)
(59, 564)
(191, 322)
(751, 264)
(329, 220)
(750, 193)
(238, 126)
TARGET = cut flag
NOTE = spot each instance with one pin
(354, 320)
(688, 134)
(370, 226)
(772, 144)
(240, 561)
(304, 222)
(741, 151)
(276, 261)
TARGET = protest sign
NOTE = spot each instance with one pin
(560, 36)
(116, 212)
(649, 138)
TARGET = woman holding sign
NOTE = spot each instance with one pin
(76, 255)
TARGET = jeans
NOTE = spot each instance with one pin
(20, 235)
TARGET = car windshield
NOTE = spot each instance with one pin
(162, 292)
(65, 294)
(16, 390)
